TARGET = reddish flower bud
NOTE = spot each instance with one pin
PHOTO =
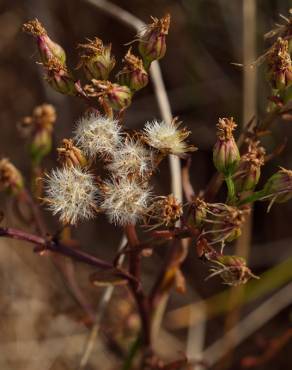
(225, 152)
(10, 178)
(48, 49)
(133, 74)
(248, 171)
(116, 96)
(59, 78)
(152, 40)
(96, 61)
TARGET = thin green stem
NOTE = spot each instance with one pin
(252, 198)
(231, 189)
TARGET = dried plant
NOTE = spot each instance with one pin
(75, 191)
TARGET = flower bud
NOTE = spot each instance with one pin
(232, 270)
(48, 49)
(279, 65)
(225, 152)
(70, 155)
(116, 96)
(96, 61)
(40, 145)
(152, 40)
(279, 186)
(133, 74)
(10, 178)
(59, 78)
(248, 171)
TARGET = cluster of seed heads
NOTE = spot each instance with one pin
(74, 191)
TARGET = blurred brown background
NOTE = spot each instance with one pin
(39, 324)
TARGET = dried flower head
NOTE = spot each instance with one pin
(72, 193)
(165, 210)
(284, 30)
(279, 64)
(219, 222)
(167, 137)
(10, 178)
(114, 95)
(248, 171)
(124, 201)
(96, 59)
(59, 78)
(133, 74)
(70, 155)
(97, 135)
(131, 158)
(232, 270)
(278, 188)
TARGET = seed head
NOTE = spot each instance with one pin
(124, 201)
(167, 137)
(131, 159)
(232, 270)
(71, 193)
(97, 135)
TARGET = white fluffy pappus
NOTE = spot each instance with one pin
(167, 137)
(72, 194)
(97, 135)
(125, 201)
(132, 157)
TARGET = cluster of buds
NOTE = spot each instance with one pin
(115, 96)
(279, 65)
(219, 222)
(133, 74)
(248, 171)
(166, 211)
(232, 270)
(152, 39)
(53, 58)
(39, 128)
(96, 59)
(278, 188)
(10, 177)
(225, 152)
